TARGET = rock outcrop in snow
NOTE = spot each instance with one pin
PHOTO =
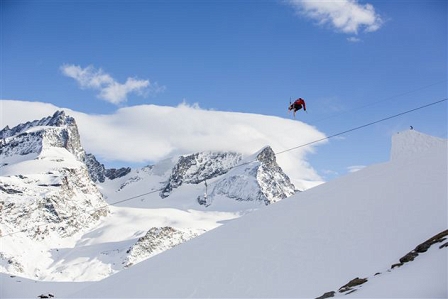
(155, 241)
(355, 284)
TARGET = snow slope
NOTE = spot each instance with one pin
(306, 245)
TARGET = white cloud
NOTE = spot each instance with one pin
(353, 39)
(148, 133)
(347, 16)
(109, 89)
(355, 168)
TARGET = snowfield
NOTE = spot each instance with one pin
(310, 244)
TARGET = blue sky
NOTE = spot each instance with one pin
(352, 61)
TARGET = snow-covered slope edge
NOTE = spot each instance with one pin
(312, 242)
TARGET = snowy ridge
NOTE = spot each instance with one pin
(412, 143)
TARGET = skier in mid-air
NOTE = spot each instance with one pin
(297, 105)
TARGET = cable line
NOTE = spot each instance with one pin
(363, 126)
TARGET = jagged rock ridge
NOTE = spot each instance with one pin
(99, 173)
(58, 130)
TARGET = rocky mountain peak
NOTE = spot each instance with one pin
(267, 157)
(58, 119)
(257, 178)
(58, 130)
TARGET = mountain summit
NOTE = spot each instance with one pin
(58, 131)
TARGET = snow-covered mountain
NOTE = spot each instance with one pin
(378, 233)
(56, 198)
(257, 178)
(46, 191)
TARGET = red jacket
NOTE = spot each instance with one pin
(300, 101)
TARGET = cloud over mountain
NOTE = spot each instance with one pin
(149, 133)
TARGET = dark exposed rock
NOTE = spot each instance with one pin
(114, 173)
(99, 173)
(10, 190)
(327, 295)
(352, 283)
(428, 243)
(350, 287)
(421, 248)
(409, 257)
(96, 169)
